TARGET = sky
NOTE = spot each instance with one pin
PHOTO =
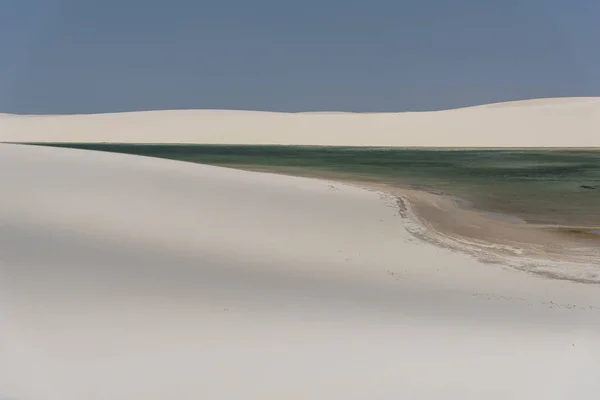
(93, 56)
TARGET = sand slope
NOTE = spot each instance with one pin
(568, 122)
(126, 277)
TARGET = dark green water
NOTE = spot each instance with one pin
(541, 186)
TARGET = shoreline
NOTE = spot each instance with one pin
(551, 251)
(564, 252)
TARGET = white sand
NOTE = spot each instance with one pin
(125, 277)
(563, 122)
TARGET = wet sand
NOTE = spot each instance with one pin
(490, 237)
(554, 251)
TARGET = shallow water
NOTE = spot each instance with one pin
(540, 186)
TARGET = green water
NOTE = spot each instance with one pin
(541, 186)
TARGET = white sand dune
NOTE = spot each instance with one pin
(565, 122)
(555, 102)
(125, 277)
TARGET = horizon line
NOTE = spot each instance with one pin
(526, 100)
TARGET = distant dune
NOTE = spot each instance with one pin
(558, 101)
(560, 122)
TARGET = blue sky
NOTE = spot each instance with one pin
(80, 56)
